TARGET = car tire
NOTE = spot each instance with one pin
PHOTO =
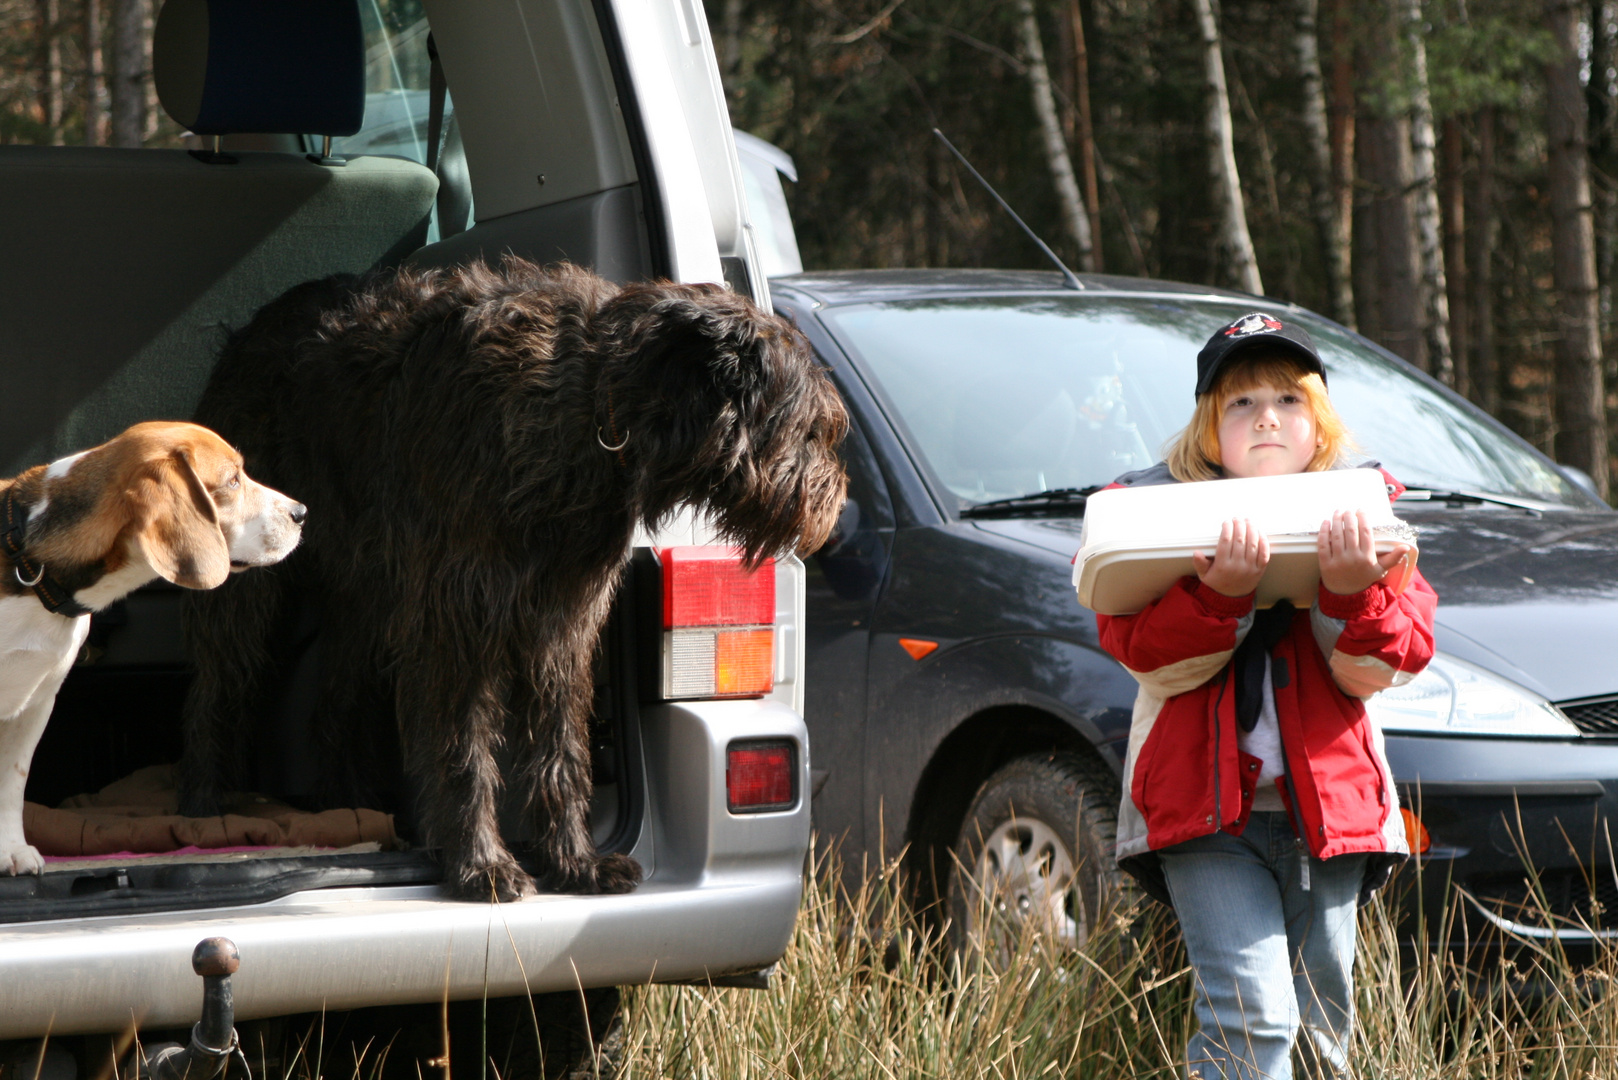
(1037, 842)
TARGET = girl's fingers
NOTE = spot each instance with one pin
(1393, 558)
(1367, 543)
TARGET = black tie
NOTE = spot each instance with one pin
(1269, 627)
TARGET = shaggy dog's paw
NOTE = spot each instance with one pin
(617, 874)
(502, 882)
(20, 858)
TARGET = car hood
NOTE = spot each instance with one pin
(1531, 597)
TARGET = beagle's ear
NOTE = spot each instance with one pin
(177, 525)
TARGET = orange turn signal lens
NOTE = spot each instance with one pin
(744, 662)
(917, 647)
(1416, 833)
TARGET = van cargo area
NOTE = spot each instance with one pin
(593, 131)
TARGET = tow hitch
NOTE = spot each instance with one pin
(213, 1038)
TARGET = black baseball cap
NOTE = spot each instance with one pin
(1247, 332)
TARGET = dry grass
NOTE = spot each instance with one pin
(858, 995)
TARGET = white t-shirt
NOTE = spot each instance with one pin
(1264, 742)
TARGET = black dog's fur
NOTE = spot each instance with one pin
(467, 529)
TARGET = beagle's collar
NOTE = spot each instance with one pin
(30, 574)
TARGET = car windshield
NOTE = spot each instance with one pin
(1014, 395)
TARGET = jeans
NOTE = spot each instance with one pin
(1269, 954)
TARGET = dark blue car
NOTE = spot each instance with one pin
(959, 704)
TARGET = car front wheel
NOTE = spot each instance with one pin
(1036, 847)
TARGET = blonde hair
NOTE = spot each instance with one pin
(1193, 454)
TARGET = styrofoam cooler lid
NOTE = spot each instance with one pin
(1138, 541)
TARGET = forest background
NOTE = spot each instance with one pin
(1441, 175)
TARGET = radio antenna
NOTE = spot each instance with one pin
(1069, 278)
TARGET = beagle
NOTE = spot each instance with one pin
(162, 500)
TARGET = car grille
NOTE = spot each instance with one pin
(1569, 901)
(1593, 716)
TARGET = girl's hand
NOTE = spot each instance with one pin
(1348, 559)
(1239, 560)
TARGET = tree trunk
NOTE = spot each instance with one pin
(1424, 175)
(1598, 97)
(1328, 222)
(1384, 135)
(1485, 226)
(1074, 219)
(48, 14)
(1236, 244)
(1086, 131)
(128, 82)
(1342, 146)
(94, 96)
(1581, 428)
(1454, 206)
(1366, 206)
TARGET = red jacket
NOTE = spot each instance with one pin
(1184, 776)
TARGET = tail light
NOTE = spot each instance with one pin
(718, 624)
(761, 776)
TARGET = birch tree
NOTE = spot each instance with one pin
(47, 13)
(1074, 219)
(1581, 428)
(1235, 242)
(94, 97)
(1334, 237)
(1424, 180)
(128, 81)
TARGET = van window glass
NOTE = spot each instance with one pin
(398, 82)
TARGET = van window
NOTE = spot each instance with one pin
(398, 82)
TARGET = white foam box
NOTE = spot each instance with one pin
(1137, 542)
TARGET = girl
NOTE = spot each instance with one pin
(1257, 798)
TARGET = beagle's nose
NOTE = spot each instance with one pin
(298, 512)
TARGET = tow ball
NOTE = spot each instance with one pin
(213, 1038)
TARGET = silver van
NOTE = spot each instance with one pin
(589, 130)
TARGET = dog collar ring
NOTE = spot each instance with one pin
(17, 572)
(611, 449)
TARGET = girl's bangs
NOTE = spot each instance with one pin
(1278, 371)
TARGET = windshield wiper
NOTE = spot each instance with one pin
(1474, 497)
(1057, 501)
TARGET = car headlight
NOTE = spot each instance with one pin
(1453, 697)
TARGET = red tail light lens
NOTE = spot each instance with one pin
(718, 624)
(706, 586)
(761, 776)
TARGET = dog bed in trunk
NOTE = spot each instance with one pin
(138, 816)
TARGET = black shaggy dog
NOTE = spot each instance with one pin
(456, 436)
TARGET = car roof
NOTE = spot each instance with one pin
(832, 287)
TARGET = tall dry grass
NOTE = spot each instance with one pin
(860, 995)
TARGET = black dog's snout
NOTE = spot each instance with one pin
(298, 512)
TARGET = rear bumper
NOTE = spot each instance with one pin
(1492, 805)
(721, 896)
